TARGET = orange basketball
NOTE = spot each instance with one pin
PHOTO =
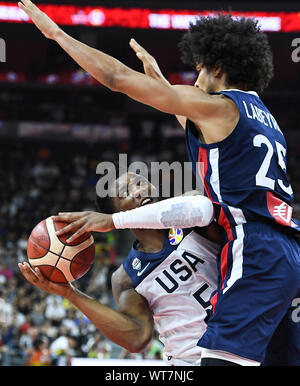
(58, 261)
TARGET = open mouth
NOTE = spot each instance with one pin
(146, 201)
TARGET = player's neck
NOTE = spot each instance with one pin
(225, 86)
(150, 240)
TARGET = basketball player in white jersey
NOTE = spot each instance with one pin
(167, 279)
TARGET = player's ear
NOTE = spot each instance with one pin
(217, 70)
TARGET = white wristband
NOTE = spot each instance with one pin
(180, 212)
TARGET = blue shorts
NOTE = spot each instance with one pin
(284, 347)
(259, 276)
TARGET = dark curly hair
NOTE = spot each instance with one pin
(237, 45)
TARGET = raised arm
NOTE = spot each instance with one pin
(207, 111)
(151, 68)
(130, 327)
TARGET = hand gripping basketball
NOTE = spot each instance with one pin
(81, 222)
(59, 261)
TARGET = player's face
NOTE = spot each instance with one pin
(205, 81)
(133, 191)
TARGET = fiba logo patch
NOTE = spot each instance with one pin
(175, 236)
(136, 264)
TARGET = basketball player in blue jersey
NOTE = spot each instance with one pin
(167, 278)
(239, 151)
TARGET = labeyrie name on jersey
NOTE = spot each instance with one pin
(254, 112)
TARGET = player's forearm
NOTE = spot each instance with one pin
(118, 327)
(181, 212)
(159, 76)
(104, 68)
(181, 119)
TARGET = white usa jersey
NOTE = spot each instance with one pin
(177, 282)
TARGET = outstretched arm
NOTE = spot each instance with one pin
(130, 327)
(186, 101)
(181, 212)
(151, 68)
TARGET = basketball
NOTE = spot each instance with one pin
(59, 261)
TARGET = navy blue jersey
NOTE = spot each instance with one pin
(259, 281)
(247, 170)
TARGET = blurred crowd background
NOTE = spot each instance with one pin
(56, 126)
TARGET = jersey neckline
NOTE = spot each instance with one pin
(237, 89)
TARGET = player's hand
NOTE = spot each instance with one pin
(81, 222)
(151, 67)
(35, 277)
(39, 18)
